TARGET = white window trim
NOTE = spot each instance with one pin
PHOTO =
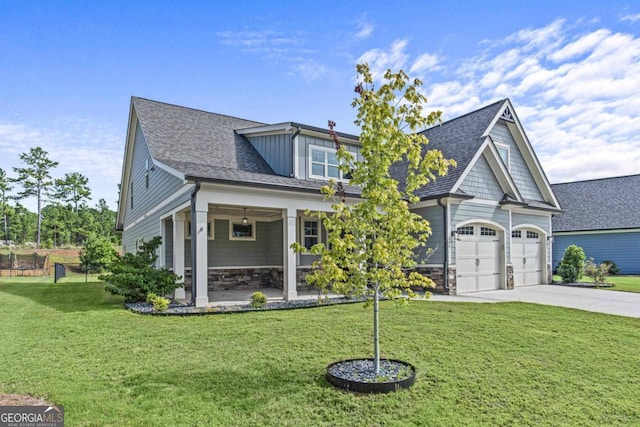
(212, 228)
(504, 147)
(310, 163)
(303, 236)
(240, 222)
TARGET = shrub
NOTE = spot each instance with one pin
(598, 273)
(133, 275)
(150, 297)
(613, 267)
(572, 264)
(258, 299)
(159, 303)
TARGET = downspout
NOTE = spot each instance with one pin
(293, 151)
(193, 242)
(445, 274)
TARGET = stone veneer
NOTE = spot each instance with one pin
(510, 279)
(436, 274)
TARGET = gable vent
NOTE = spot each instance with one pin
(506, 115)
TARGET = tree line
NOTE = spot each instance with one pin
(63, 216)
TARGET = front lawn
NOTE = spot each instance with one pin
(478, 364)
(622, 283)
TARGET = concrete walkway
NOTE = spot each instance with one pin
(597, 300)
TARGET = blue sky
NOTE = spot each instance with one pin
(68, 69)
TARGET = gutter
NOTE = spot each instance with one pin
(194, 258)
(293, 151)
(445, 274)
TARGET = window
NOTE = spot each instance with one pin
(503, 151)
(465, 231)
(240, 231)
(516, 234)
(486, 231)
(311, 233)
(210, 229)
(532, 235)
(323, 164)
(146, 173)
(131, 194)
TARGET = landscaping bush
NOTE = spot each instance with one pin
(134, 276)
(613, 267)
(159, 303)
(258, 299)
(571, 266)
(598, 273)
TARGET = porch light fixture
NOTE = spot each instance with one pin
(244, 218)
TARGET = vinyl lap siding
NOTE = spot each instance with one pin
(518, 169)
(267, 249)
(161, 185)
(481, 182)
(622, 248)
(276, 150)
(433, 214)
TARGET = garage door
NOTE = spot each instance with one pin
(478, 259)
(526, 256)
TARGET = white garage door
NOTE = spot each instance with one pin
(477, 259)
(526, 256)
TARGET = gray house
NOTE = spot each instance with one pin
(234, 192)
(603, 218)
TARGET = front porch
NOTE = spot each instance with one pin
(242, 245)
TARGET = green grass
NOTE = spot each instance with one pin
(622, 283)
(477, 364)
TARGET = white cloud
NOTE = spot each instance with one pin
(632, 18)
(364, 30)
(381, 60)
(577, 93)
(309, 69)
(424, 62)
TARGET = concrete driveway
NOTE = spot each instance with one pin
(597, 300)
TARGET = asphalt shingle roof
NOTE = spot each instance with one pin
(599, 204)
(458, 139)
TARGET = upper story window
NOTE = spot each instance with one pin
(323, 164)
(504, 152)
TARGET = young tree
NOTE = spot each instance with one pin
(371, 243)
(35, 179)
(74, 189)
(97, 254)
(5, 189)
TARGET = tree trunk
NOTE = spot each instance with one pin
(39, 219)
(376, 332)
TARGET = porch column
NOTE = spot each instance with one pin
(201, 273)
(289, 290)
(178, 251)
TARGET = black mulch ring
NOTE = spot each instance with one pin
(178, 309)
(584, 285)
(359, 375)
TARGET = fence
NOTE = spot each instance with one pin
(12, 264)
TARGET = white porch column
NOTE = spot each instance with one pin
(178, 251)
(289, 291)
(201, 273)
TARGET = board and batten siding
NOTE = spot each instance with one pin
(304, 141)
(469, 211)
(620, 247)
(276, 150)
(518, 168)
(267, 249)
(481, 181)
(537, 220)
(435, 242)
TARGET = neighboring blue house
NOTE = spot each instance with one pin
(234, 192)
(603, 218)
